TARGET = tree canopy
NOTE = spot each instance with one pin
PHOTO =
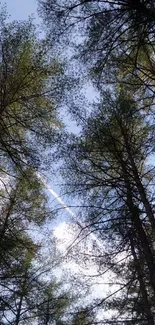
(107, 167)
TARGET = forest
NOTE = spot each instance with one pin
(77, 104)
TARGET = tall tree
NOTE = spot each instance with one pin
(28, 78)
(106, 165)
(28, 95)
(109, 35)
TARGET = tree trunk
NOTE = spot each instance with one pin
(149, 258)
(140, 275)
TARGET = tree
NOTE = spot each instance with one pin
(106, 167)
(28, 78)
(110, 34)
(28, 85)
(17, 249)
(30, 293)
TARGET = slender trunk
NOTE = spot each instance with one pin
(139, 185)
(17, 320)
(9, 210)
(142, 236)
(140, 275)
(19, 311)
(47, 314)
(143, 196)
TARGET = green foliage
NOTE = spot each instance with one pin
(28, 114)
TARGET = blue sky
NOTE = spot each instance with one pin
(21, 9)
